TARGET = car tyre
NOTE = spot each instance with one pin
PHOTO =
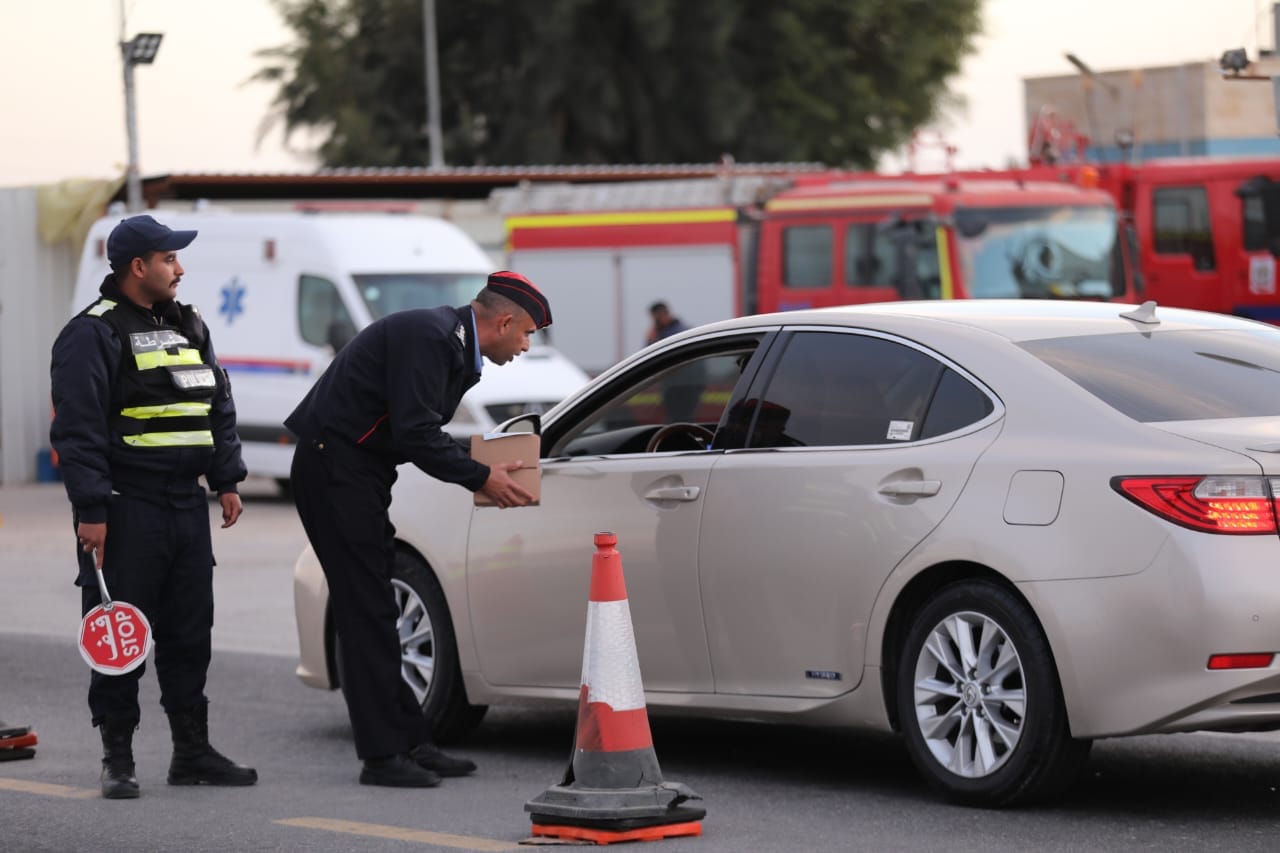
(979, 700)
(429, 651)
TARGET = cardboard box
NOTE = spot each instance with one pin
(509, 447)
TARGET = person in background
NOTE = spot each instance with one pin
(384, 400)
(141, 411)
(665, 324)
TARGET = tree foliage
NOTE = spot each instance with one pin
(618, 81)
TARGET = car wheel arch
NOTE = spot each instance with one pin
(913, 597)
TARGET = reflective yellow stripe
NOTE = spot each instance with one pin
(659, 217)
(944, 265)
(102, 307)
(168, 410)
(197, 438)
(160, 358)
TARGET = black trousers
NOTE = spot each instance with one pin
(343, 494)
(158, 558)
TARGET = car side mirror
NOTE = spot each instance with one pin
(528, 422)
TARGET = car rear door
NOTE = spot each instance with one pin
(859, 446)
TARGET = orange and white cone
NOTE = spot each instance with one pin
(613, 789)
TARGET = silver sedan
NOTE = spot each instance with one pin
(1002, 529)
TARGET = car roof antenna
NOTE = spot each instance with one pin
(1144, 313)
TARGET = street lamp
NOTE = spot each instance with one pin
(140, 50)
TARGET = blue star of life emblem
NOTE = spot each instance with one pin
(232, 299)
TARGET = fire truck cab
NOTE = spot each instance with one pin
(873, 240)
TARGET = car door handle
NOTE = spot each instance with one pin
(673, 493)
(911, 488)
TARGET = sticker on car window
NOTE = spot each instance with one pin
(900, 430)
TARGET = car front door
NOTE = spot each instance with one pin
(860, 446)
(529, 569)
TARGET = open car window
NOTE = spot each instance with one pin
(691, 389)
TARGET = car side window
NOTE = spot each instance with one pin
(693, 391)
(831, 389)
(956, 404)
(323, 318)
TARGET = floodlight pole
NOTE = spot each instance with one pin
(133, 180)
(435, 139)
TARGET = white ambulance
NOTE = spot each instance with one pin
(281, 292)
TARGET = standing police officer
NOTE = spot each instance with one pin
(385, 400)
(141, 411)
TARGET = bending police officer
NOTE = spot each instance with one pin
(141, 411)
(383, 401)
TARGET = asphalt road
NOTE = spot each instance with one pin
(766, 788)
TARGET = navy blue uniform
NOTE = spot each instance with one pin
(141, 411)
(383, 401)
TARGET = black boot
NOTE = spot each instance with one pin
(118, 781)
(195, 762)
(429, 757)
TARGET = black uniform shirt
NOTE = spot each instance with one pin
(391, 390)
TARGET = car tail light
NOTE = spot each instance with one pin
(1259, 660)
(1239, 505)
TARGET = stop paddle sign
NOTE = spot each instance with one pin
(115, 636)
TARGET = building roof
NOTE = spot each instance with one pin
(459, 182)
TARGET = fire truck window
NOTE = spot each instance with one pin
(1255, 224)
(1182, 225)
(806, 256)
(868, 257)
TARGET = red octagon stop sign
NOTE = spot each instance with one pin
(116, 640)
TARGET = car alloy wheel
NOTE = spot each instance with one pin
(417, 640)
(429, 650)
(970, 697)
(979, 702)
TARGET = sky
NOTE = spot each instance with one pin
(62, 100)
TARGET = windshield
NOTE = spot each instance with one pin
(1039, 252)
(386, 293)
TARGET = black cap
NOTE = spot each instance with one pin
(524, 293)
(137, 235)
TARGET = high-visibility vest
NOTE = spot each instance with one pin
(163, 387)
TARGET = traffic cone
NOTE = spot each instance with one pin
(613, 789)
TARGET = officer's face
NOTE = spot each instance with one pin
(160, 273)
(512, 338)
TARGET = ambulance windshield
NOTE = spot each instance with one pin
(386, 293)
(1060, 252)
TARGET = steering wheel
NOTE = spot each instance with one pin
(694, 431)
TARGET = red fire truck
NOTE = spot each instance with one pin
(826, 239)
(1199, 227)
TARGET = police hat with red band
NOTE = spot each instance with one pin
(524, 293)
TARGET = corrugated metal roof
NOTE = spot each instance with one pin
(732, 191)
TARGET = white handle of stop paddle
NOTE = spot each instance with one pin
(107, 603)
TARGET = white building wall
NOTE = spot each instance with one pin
(36, 280)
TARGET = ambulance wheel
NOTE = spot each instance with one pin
(979, 701)
(429, 651)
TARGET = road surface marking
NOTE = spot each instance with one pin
(47, 790)
(400, 833)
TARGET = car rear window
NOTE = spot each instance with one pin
(1176, 375)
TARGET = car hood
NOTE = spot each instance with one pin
(1257, 438)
